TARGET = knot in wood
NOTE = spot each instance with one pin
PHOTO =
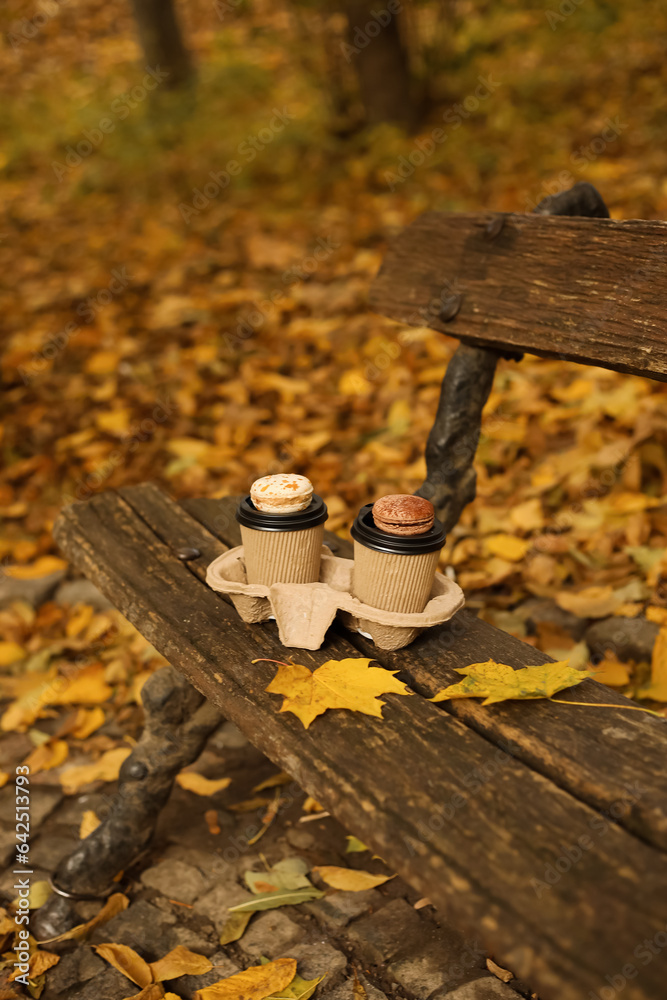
(494, 227)
(449, 308)
(187, 553)
(135, 769)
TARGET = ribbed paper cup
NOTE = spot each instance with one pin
(282, 548)
(394, 572)
(393, 582)
(282, 556)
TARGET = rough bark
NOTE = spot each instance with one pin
(376, 50)
(450, 449)
(161, 40)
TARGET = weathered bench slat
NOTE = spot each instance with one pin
(400, 784)
(588, 290)
(613, 760)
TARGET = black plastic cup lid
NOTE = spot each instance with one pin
(315, 513)
(366, 533)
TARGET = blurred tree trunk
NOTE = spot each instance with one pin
(161, 40)
(376, 50)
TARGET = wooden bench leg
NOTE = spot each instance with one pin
(178, 723)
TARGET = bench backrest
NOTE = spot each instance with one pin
(582, 289)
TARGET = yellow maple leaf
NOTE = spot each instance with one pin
(507, 546)
(82, 615)
(87, 720)
(24, 711)
(657, 615)
(498, 682)
(43, 566)
(282, 778)
(528, 516)
(592, 602)
(11, 652)
(104, 769)
(348, 683)
(127, 961)
(102, 363)
(630, 503)
(86, 687)
(47, 756)
(40, 962)
(188, 447)
(89, 822)
(349, 879)
(38, 894)
(255, 983)
(612, 672)
(180, 961)
(234, 927)
(311, 805)
(299, 989)
(114, 421)
(200, 785)
(354, 383)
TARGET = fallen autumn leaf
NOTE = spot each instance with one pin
(348, 683)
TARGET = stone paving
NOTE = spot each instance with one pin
(180, 893)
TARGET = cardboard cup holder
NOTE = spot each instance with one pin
(304, 611)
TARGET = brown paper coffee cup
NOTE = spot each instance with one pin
(393, 581)
(282, 556)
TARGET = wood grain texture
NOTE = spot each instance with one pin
(464, 822)
(586, 290)
(610, 758)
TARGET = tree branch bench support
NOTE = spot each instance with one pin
(178, 721)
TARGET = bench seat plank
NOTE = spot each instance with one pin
(580, 289)
(399, 784)
(613, 760)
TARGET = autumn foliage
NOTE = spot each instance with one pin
(171, 319)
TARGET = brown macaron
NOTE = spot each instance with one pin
(403, 514)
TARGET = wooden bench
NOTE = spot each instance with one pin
(541, 828)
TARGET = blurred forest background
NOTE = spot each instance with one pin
(185, 260)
